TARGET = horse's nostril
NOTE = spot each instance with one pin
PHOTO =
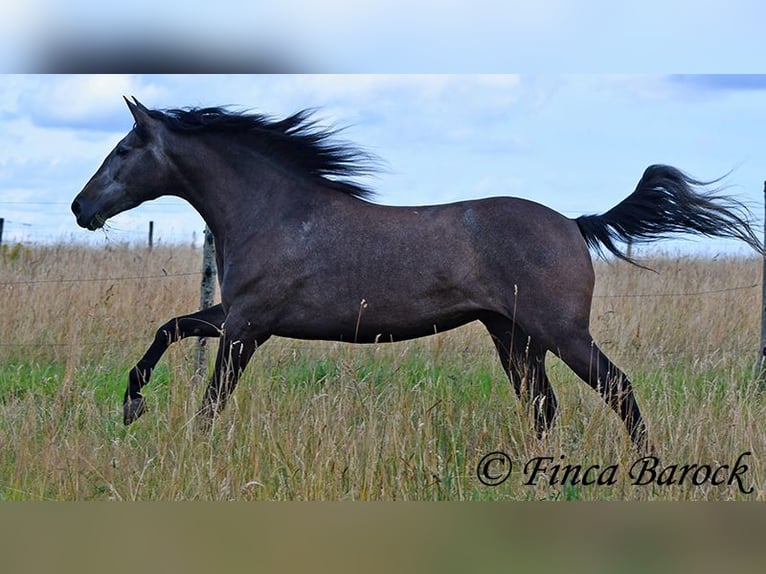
(76, 208)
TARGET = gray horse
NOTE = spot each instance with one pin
(303, 253)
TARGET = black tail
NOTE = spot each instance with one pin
(665, 201)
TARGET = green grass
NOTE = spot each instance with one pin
(327, 421)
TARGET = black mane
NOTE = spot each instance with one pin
(296, 141)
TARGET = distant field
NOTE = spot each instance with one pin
(327, 421)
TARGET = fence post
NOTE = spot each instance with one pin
(2, 221)
(151, 235)
(762, 359)
(206, 299)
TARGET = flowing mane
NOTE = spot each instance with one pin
(295, 141)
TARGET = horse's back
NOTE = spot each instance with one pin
(528, 233)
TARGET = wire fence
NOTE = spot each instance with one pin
(18, 230)
(22, 227)
(75, 280)
(199, 273)
(98, 279)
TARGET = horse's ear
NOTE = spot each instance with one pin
(140, 114)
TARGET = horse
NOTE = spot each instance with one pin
(304, 252)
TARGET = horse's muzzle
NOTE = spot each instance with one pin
(86, 218)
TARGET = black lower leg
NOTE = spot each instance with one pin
(595, 368)
(621, 399)
(524, 363)
(544, 402)
(231, 360)
(205, 323)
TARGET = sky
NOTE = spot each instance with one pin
(577, 143)
(427, 36)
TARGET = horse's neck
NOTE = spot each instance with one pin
(234, 196)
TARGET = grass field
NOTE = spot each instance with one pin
(327, 421)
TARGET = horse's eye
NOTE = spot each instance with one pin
(122, 150)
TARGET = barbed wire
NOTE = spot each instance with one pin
(317, 346)
(198, 273)
(48, 344)
(166, 275)
(307, 346)
(687, 294)
(159, 201)
(99, 279)
(23, 224)
(56, 230)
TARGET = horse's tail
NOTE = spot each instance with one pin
(665, 201)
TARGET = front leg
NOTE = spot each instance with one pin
(205, 323)
(235, 350)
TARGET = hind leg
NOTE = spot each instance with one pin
(584, 357)
(523, 360)
(544, 400)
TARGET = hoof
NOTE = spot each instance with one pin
(133, 409)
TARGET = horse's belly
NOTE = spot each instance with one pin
(360, 330)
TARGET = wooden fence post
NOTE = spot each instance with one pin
(151, 235)
(2, 222)
(762, 359)
(207, 294)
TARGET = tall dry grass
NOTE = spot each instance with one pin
(313, 420)
(67, 302)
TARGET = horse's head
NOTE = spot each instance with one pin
(136, 170)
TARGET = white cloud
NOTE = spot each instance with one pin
(22, 141)
(77, 102)
(577, 140)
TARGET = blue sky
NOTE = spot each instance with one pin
(575, 142)
(541, 36)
